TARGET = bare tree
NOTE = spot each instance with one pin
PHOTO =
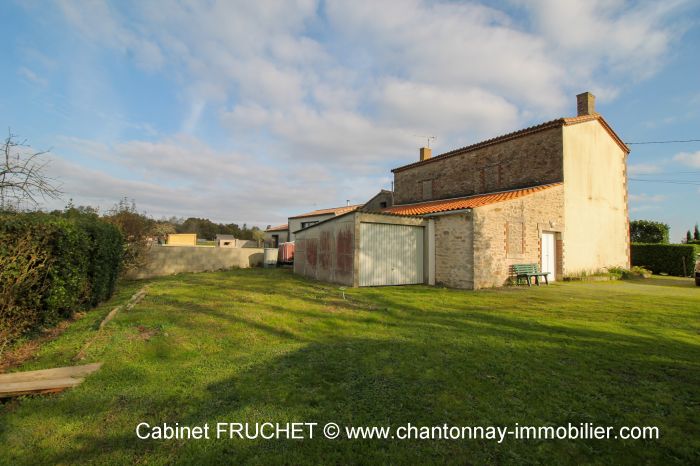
(22, 175)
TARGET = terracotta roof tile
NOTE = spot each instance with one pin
(279, 228)
(335, 211)
(445, 205)
(523, 132)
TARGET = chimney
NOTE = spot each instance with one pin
(425, 153)
(585, 104)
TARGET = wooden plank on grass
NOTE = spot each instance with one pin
(45, 380)
(49, 374)
(37, 386)
(109, 317)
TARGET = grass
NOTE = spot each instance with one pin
(264, 345)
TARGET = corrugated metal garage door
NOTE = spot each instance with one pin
(390, 254)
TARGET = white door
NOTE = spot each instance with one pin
(390, 254)
(548, 255)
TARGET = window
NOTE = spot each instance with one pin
(382, 204)
(308, 224)
(427, 190)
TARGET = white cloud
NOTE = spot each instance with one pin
(263, 52)
(642, 169)
(655, 198)
(625, 37)
(643, 201)
(185, 176)
(32, 77)
(691, 159)
(321, 100)
(452, 45)
(415, 105)
(461, 58)
(343, 141)
(98, 21)
(643, 208)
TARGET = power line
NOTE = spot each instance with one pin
(667, 173)
(664, 142)
(695, 183)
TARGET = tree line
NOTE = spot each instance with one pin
(694, 237)
(206, 229)
(649, 231)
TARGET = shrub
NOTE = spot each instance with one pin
(646, 231)
(135, 228)
(665, 258)
(52, 264)
(627, 274)
(23, 267)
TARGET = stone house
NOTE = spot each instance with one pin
(554, 194)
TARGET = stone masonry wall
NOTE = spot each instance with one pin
(375, 204)
(454, 253)
(524, 161)
(496, 248)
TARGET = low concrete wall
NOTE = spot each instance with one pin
(173, 259)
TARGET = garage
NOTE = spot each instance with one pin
(365, 249)
(390, 254)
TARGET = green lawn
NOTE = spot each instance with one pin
(264, 345)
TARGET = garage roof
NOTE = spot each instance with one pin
(332, 211)
(279, 228)
(469, 202)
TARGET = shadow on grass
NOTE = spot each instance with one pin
(680, 282)
(490, 380)
(360, 382)
(425, 366)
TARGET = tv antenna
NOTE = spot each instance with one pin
(427, 138)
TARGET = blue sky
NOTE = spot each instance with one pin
(250, 111)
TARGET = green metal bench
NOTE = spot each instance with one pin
(527, 271)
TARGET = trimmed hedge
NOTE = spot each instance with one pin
(51, 265)
(106, 252)
(665, 258)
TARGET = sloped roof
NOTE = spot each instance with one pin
(520, 133)
(469, 202)
(333, 211)
(279, 228)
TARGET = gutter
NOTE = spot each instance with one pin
(448, 212)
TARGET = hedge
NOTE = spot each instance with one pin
(51, 265)
(665, 258)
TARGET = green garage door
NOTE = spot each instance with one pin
(390, 254)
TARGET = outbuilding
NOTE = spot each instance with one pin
(366, 249)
